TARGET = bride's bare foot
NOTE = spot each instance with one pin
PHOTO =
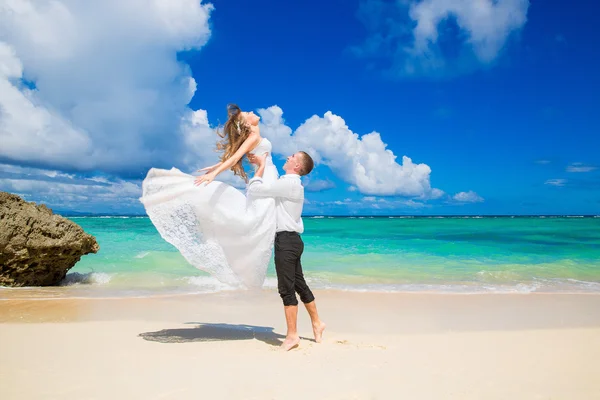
(290, 342)
(318, 331)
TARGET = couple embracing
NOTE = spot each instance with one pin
(231, 235)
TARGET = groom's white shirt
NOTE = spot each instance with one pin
(289, 200)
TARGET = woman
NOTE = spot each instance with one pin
(215, 226)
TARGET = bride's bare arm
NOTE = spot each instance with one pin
(259, 161)
(211, 168)
(249, 144)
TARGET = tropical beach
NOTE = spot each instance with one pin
(137, 321)
(358, 199)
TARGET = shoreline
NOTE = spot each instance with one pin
(40, 296)
(67, 215)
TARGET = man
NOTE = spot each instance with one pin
(289, 200)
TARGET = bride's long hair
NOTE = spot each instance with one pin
(234, 133)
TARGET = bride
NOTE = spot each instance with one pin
(213, 225)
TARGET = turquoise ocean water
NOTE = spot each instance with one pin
(397, 254)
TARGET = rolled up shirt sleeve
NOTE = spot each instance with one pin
(282, 188)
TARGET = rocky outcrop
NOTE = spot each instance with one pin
(37, 247)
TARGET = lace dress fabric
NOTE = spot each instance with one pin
(217, 228)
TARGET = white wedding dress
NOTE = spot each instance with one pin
(217, 228)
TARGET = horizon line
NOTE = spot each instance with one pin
(82, 214)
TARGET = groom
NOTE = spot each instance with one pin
(289, 200)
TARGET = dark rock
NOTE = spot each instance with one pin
(37, 247)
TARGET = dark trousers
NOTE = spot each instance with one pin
(290, 279)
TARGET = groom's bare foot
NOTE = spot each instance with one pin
(290, 342)
(318, 331)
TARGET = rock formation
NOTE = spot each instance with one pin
(37, 247)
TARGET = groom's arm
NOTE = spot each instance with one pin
(283, 188)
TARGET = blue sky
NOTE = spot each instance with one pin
(493, 104)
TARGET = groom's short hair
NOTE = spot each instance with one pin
(307, 163)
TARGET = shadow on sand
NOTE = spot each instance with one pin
(206, 332)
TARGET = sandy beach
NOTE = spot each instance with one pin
(377, 346)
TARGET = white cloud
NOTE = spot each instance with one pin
(32, 132)
(413, 204)
(108, 92)
(369, 203)
(273, 127)
(580, 167)
(393, 203)
(317, 185)
(410, 34)
(487, 23)
(364, 162)
(56, 174)
(92, 86)
(436, 194)
(199, 139)
(61, 191)
(556, 182)
(467, 197)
